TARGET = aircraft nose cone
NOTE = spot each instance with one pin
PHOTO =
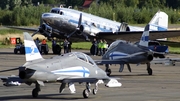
(46, 16)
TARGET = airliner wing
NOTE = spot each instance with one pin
(135, 35)
(23, 28)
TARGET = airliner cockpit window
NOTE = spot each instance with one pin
(57, 11)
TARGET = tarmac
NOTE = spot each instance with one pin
(163, 85)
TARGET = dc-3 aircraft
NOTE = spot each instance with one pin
(81, 69)
(65, 22)
(121, 52)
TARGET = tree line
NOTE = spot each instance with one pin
(28, 12)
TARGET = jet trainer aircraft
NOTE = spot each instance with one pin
(65, 22)
(121, 52)
(38, 70)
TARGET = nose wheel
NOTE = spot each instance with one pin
(36, 90)
(88, 90)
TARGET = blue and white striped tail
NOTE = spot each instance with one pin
(145, 37)
(31, 50)
(159, 22)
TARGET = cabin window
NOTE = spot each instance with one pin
(61, 13)
(110, 29)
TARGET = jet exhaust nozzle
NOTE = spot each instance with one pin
(22, 74)
(150, 57)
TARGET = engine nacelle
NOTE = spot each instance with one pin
(124, 27)
(89, 29)
(45, 27)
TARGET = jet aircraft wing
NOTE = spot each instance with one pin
(135, 35)
(11, 80)
(90, 80)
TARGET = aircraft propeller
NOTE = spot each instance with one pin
(78, 29)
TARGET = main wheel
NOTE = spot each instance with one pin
(85, 93)
(35, 93)
(149, 71)
(94, 91)
(15, 51)
(108, 72)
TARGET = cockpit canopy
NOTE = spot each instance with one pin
(115, 43)
(57, 11)
(84, 57)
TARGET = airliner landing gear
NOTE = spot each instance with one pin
(36, 90)
(108, 71)
(149, 69)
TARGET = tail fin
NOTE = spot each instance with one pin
(31, 50)
(159, 22)
(145, 37)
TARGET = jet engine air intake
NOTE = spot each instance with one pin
(25, 73)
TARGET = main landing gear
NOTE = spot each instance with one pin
(88, 90)
(36, 90)
(108, 70)
(149, 69)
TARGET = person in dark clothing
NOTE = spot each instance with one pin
(65, 44)
(53, 45)
(69, 45)
(94, 47)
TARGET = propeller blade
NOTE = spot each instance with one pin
(35, 33)
(129, 68)
(71, 34)
(9, 70)
(79, 24)
(80, 20)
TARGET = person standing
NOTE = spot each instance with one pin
(105, 46)
(37, 41)
(69, 45)
(100, 47)
(94, 47)
(53, 45)
(65, 44)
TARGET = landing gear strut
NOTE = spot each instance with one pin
(149, 69)
(108, 70)
(36, 90)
